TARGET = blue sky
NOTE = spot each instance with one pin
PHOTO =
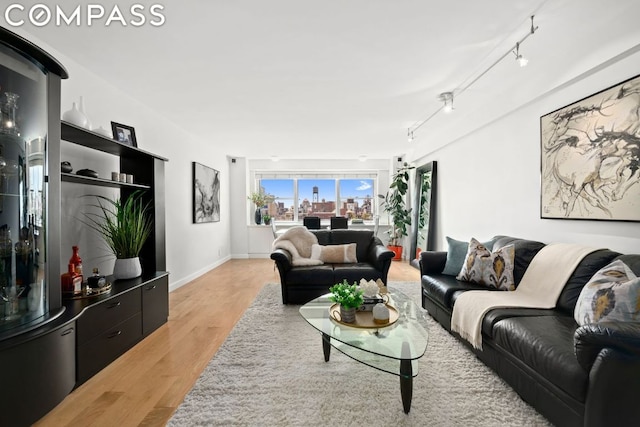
(283, 188)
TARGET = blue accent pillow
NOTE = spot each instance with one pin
(457, 253)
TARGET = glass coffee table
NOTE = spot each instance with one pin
(395, 348)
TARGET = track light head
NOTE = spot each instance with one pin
(521, 59)
(447, 98)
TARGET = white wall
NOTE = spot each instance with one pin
(192, 249)
(489, 180)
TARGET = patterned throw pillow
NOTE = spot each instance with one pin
(456, 253)
(612, 295)
(491, 269)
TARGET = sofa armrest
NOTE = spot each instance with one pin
(589, 340)
(379, 255)
(282, 257)
(432, 262)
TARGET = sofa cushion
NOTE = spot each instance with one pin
(525, 251)
(362, 238)
(441, 288)
(334, 253)
(581, 275)
(612, 295)
(312, 275)
(491, 269)
(545, 344)
(324, 236)
(456, 254)
(354, 272)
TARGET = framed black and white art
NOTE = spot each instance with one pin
(206, 194)
(590, 150)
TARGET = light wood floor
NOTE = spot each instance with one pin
(145, 385)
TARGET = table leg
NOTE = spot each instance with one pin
(406, 384)
(326, 346)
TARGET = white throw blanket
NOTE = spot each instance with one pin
(540, 287)
(298, 241)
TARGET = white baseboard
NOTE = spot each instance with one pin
(178, 284)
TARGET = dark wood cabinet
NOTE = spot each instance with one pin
(38, 371)
(155, 304)
(55, 345)
(110, 325)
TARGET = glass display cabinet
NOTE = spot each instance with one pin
(25, 74)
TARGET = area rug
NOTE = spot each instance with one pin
(271, 372)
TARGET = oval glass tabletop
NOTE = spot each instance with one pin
(405, 339)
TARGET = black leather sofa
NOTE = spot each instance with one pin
(573, 375)
(301, 284)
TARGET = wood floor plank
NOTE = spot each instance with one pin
(144, 386)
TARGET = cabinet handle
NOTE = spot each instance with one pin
(150, 288)
(114, 334)
(66, 332)
(115, 304)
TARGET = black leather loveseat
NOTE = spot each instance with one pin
(301, 284)
(573, 375)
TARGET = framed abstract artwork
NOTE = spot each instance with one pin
(206, 194)
(590, 150)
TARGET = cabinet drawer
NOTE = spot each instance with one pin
(102, 316)
(155, 304)
(108, 346)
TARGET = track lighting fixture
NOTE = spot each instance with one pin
(521, 59)
(447, 97)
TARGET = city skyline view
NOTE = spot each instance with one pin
(322, 197)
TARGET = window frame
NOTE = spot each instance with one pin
(336, 176)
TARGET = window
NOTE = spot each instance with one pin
(357, 198)
(296, 197)
(283, 191)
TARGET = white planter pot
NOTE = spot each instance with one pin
(127, 268)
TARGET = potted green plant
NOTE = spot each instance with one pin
(266, 218)
(394, 204)
(125, 226)
(350, 297)
(259, 198)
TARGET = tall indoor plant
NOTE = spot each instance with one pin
(124, 225)
(394, 203)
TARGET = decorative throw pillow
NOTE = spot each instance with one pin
(336, 254)
(491, 269)
(612, 294)
(456, 254)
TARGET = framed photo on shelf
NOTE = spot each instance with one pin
(206, 194)
(124, 134)
(590, 154)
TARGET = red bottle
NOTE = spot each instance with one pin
(71, 281)
(76, 261)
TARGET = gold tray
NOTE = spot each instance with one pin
(364, 319)
(94, 293)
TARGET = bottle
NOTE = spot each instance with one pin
(71, 281)
(96, 281)
(76, 261)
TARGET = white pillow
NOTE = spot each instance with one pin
(337, 254)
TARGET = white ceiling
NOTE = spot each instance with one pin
(343, 78)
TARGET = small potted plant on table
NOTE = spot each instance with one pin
(349, 297)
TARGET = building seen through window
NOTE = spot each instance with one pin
(293, 199)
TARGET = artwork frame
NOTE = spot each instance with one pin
(590, 157)
(124, 134)
(206, 193)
